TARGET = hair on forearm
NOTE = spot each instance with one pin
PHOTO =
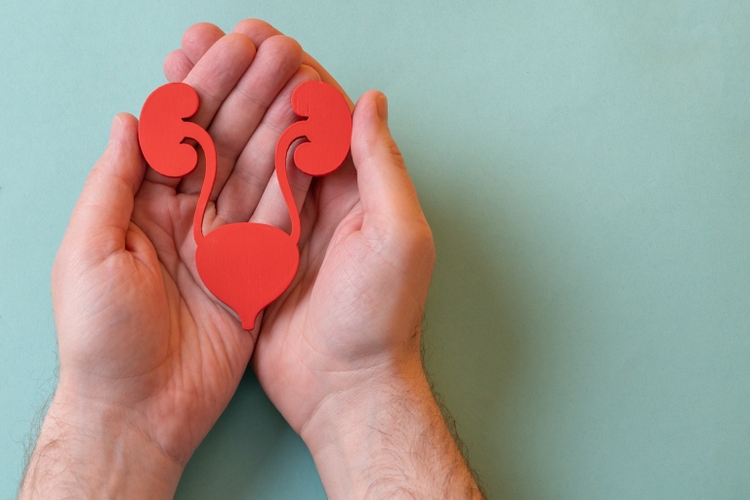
(450, 421)
(36, 425)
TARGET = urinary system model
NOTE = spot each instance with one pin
(246, 265)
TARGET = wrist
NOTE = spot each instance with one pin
(94, 450)
(386, 438)
(362, 398)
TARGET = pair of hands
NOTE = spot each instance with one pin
(149, 359)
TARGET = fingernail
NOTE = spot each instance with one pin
(115, 130)
(382, 105)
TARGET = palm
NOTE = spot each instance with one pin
(170, 348)
(332, 324)
(201, 332)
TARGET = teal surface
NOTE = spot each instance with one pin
(585, 166)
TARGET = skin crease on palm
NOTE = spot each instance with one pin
(148, 357)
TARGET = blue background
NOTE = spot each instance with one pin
(584, 166)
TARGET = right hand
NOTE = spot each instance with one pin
(339, 353)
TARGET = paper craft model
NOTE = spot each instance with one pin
(246, 265)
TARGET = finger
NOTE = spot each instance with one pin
(385, 189)
(278, 59)
(198, 38)
(176, 66)
(325, 76)
(213, 78)
(217, 72)
(259, 31)
(195, 43)
(255, 165)
(102, 214)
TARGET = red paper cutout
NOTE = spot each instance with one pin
(245, 265)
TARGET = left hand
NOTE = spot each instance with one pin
(149, 359)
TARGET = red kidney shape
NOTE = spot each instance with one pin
(162, 129)
(328, 127)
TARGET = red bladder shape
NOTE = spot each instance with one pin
(245, 265)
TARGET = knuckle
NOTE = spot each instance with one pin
(422, 241)
(284, 47)
(412, 239)
(251, 25)
(394, 153)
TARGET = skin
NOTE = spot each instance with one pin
(149, 359)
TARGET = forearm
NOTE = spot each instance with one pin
(91, 451)
(389, 441)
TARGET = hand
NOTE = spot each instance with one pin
(339, 352)
(148, 359)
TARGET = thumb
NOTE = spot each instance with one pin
(385, 189)
(102, 214)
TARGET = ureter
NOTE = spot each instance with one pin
(209, 151)
(282, 147)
